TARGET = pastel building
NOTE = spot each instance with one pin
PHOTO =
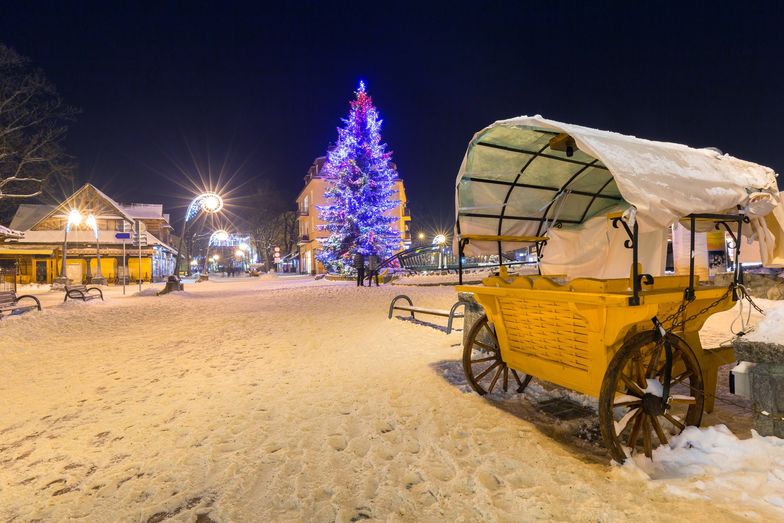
(37, 252)
(310, 234)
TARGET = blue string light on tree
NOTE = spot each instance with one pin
(361, 185)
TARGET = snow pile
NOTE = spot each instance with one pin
(26, 287)
(713, 464)
(771, 328)
(147, 292)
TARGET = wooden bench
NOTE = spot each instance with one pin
(80, 292)
(451, 313)
(9, 303)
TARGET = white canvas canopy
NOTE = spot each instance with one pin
(534, 177)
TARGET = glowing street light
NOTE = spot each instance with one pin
(220, 235)
(74, 219)
(209, 203)
(440, 241)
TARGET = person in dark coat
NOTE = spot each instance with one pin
(372, 269)
(359, 265)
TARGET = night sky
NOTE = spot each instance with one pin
(259, 88)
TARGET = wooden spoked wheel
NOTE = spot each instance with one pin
(484, 368)
(632, 416)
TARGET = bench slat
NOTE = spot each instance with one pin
(434, 312)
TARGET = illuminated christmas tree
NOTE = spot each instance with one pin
(361, 180)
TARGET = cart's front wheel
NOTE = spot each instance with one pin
(484, 368)
(632, 415)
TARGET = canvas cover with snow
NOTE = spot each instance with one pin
(530, 176)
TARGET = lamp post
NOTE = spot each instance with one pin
(93, 224)
(218, 236)
(440, 241)
(208, 202)
(74, 218)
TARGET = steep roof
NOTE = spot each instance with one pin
(75, 201)
(28, 214)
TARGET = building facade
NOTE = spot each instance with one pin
(38, 254)
(310, 233)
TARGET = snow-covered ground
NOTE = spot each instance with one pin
(291, 399)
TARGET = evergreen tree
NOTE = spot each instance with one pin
(361, 187)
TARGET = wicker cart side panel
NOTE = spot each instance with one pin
(549, 331)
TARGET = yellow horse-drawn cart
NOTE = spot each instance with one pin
(594, 320)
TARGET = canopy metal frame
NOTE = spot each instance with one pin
(559, 192)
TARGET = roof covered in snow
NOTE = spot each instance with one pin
(28, 214)
(144, 211)
(522, 175)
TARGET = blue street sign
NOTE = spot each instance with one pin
(123, 235)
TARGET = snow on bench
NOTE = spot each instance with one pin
(9, 303)
(451, 313)
(81, 292)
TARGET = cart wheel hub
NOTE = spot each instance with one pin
(652, 404)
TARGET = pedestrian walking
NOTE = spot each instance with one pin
(359, 265)
(372, 269)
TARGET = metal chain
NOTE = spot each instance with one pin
(682, 308)
(746, 296)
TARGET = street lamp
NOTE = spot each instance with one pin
(93, 224)
(218, 236)
(74, 218)
(440, 241)
(208, 202)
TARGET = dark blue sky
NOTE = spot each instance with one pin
(263, 85)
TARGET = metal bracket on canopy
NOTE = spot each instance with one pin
(631, 243)
(722, 220)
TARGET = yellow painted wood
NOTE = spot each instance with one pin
(568, 333)
(146, 268)
(10, 251)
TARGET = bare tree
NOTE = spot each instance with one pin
(33, 121)
(271, 225)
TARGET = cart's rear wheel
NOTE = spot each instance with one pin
(482, 363)
(631, 417)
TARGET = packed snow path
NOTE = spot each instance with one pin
(288, 400)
